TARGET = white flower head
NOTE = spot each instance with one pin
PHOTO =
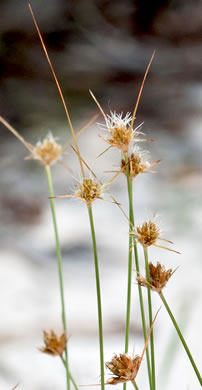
(115, 120)
(47, 151)
(119, 127)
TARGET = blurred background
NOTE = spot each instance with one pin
(104, 46)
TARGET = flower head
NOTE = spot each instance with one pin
(147, 234)
(137, 162)
(47, 152)
(158, 277)
(124, 368)
(120, 130)
(88, 190)
(54, 345)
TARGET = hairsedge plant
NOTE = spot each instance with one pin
(48, 152)
(88, 203)
(158, 277)
(147, 234)
(122, 135)
(156, 280)
(125, 368)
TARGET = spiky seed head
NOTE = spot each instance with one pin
(158, 277)
(48, 151)
(124, 368)
(120, 131)
(147, 234)
(88, 190)
(136, 164)
(54, 345)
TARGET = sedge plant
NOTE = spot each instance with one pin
(123, 135)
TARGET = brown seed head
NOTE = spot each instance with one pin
(47, 152)
(89, 190)
(123, 367)
(120, 130)
(54, 345)
(147, 234)
(135, 164)
(158, 277)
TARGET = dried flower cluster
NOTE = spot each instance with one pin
(120, 130)
(158, 277)
(47, 152)
(54, 345)
(136, 164)
(147, 234)
(88, 190)
(124, 368)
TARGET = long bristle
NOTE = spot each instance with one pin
(58, 87)
(141, 88)
(15, 132)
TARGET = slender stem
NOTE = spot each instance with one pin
(131, 226)
(99, 306)
(130, 245)
(135, 385)
(129, 286)
(150, 318)
(181, 338)
(59, 261)
(71, 377)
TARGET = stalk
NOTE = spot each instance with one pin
(135, 385)
(59, 261)
(99, 306)
(128, 305)
(133, 243)
(181, 338)
(71, 377)
(150, 318)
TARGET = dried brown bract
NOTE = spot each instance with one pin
(54, 345)
(124, 368)
(158, 277)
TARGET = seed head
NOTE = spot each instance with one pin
(137, 163)
(47, 152)
(120, 131)
(147, 234)
(88, 190)
(54, 345)
(158, 277)
(124, 368)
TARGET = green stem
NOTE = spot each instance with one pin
(59, 261)
(130, 245)
(181, 338)
(150, 318)
(71, 377)
(99, 306)
(135, 385)
(129, 286)
(131, 226)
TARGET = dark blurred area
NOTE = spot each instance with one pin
(105, 46)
